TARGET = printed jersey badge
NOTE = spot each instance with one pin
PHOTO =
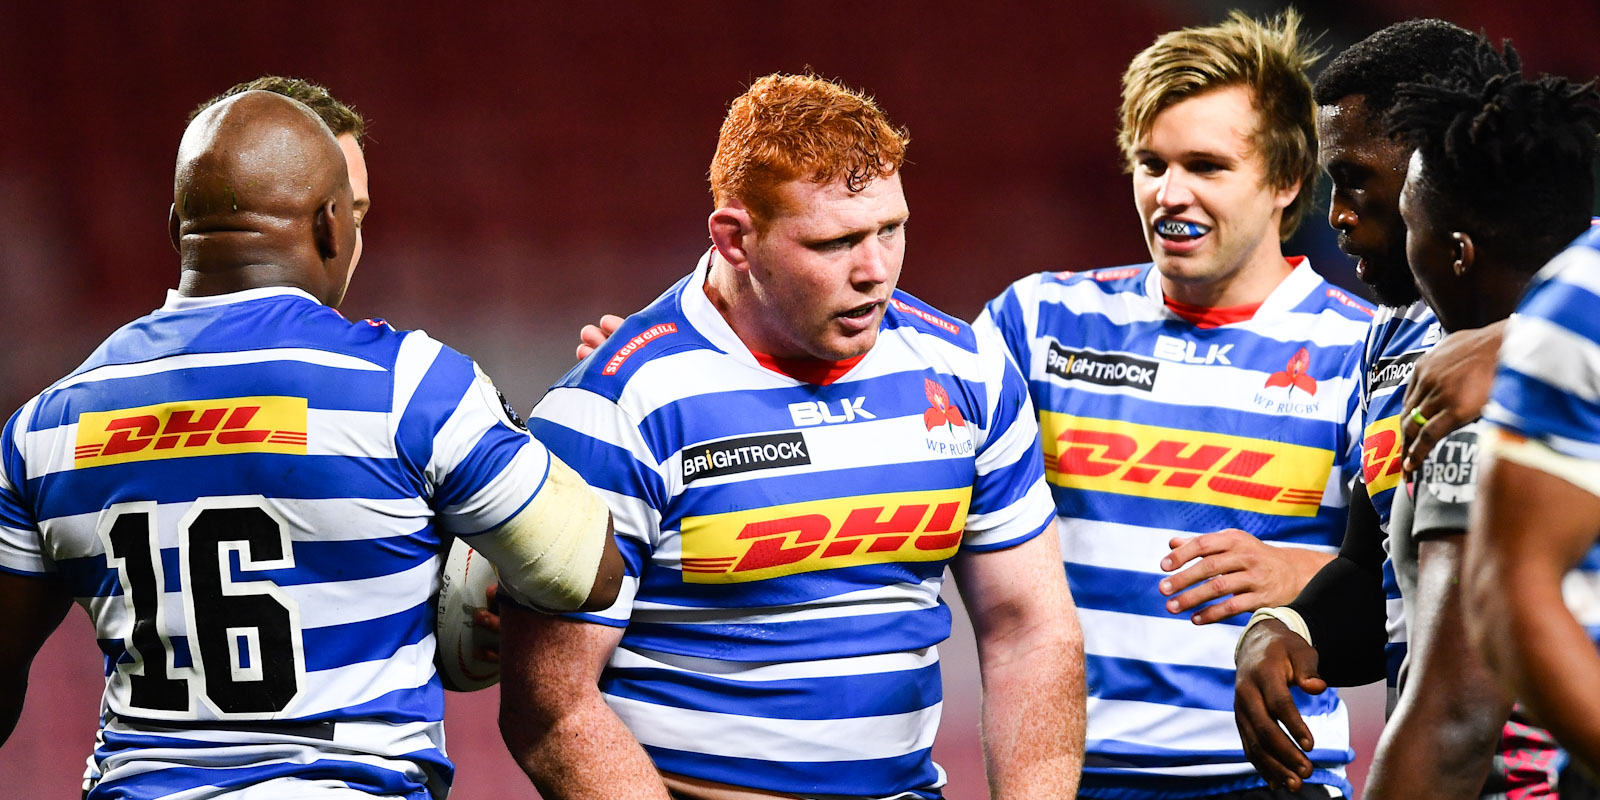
(1294, 375)
(947, 428)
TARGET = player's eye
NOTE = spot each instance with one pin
(1152, 166)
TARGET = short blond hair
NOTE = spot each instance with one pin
(786, 127)
(1268, 58)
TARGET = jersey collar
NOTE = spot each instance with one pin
(179, 302)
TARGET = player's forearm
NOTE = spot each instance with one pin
(12, 693)
(1033, 713)
(1551, 664)
(1343, 606)
(581, 752)
(1441, 741)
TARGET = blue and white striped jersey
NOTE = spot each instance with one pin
(247, 493)
(1399, 337)
(786, 541)
(1547, 387)
(1155, 427)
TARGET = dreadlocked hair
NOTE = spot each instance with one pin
(1507, 157)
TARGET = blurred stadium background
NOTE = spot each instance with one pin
(536, 164)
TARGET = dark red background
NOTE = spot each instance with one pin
(536, 164)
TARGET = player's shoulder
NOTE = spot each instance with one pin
(906, 312)
(1129, 278)
(1323, 298)
(657, 331)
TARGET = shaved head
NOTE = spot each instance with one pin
(261, 197)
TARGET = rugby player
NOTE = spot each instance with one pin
(1534, 622)
(247, 494)
(795, 451)
(1341, 607)
(1213, 388)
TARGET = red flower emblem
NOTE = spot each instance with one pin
(941, 412)
(1294, 374)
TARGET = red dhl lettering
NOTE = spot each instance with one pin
(635, 343)
(925, 316)
(826, 534)
(1381, 459)
(1191, 466)
(177, 430)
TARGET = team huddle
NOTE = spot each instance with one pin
(1182, 500)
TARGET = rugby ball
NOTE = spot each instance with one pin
(463, 591)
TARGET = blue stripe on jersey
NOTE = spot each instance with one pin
(337, 646)
(1005, 312)
(666, 586)
(307, 477)
(857, 778)
(423, 703)
(1247, 350)
(796, 640)
(602, 465)
(328, 388)
(1565, 304)
(1130, 592)
(833, 697)
(487, 459)
(1557, 412)
(448, 378)
(702, 418)
(1179, 685)
(171, 780)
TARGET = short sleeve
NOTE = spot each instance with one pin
(1446, 485)
(1010, 501)
(597, 438)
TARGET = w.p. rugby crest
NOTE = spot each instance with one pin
(948, 433)
(1300, 389)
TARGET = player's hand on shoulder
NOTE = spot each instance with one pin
(592, 336)
(1235, 565)
(1449, 387)
(1270, 659)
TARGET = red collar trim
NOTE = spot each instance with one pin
(1215, 316)
(1212, 316)
(811, 371)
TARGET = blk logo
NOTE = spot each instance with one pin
(1171, 348)
(818, 412)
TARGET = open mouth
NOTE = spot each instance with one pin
(859, 311)
(1177, 230)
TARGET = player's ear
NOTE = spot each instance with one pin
(327, 228)
(174, 227)
(1465, 252)
(732, 231)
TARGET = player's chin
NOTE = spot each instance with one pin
(842, 345)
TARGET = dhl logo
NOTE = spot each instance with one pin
(758, 544)
(192, 428)
(1380, 455)
(1240, 472)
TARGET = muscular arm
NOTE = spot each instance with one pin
(1344, 605)
(32, 608)
(1528, 529)
(553, 719)
(1030, 652)
(1441, 739)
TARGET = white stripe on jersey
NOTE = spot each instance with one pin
(1174, 641)
(321, 358)
(778, 670)
(1553, 355)
(1195, 730)
(893, 599)
(1131, 547)
(735, 736)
